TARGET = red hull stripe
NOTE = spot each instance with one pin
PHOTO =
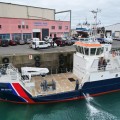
(21, 92)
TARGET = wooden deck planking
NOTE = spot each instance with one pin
(63, 84)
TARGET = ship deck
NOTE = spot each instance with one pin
(64, 82)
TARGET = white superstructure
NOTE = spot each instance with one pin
(94, 61)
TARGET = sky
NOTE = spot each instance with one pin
(81, 9)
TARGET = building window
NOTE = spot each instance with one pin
(23, 26)
(16, 36)
(52, 27)
(60, 27)
(0, 26)
(19, 26)
(66, 27)
(26, 26)
(5, 36)
(27, 36)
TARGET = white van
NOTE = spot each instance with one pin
(40, 44)
(35, 39)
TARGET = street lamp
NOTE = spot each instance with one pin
(22, 23)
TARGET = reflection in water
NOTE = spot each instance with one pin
(88, 109)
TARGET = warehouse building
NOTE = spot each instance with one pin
(113, 30)
(25, 22)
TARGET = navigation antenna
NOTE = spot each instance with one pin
(95, 13)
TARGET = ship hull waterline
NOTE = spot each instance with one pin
(95, 88)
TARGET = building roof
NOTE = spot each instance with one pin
(26, 5)
(112, 24)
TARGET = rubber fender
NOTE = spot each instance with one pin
(61, 62)
(37, 58)
(61, 56)
(5, 60)
(37, 64)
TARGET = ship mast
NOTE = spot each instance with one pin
(95, 13)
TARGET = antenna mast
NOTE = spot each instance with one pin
(95, 13)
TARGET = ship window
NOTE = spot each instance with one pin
(81, 50)
(93, 50)
(99, 51)
(86, 51)
(76, 48)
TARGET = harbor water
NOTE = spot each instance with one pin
(105, 107)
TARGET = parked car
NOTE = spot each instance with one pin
(59, 41)
(0, 42)
(52, 44)
(12, 42)
(21, 42)
(68, 42)
(48, 39)
(73, 39)
(4, 43)
(29, 41)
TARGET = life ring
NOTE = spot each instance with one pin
(37, 58)
(5, 60)
(37, 64)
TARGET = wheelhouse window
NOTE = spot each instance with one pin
(86, 51)
(92, 51)
(99, 51)
(76, 48)
(81, 50)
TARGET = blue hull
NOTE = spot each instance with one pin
(91, 88)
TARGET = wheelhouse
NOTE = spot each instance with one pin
(89, 49)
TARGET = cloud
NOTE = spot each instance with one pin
(80, 9)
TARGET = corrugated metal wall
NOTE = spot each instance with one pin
(21, 11)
